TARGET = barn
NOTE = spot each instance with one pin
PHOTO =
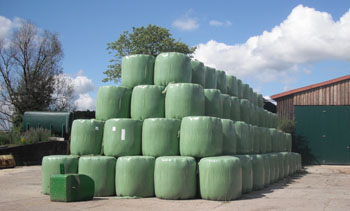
(321, 117)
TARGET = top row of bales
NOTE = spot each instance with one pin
(175, 67)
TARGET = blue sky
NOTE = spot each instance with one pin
(272, 45)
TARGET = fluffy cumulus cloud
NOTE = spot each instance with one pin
(305, 37)
(219, 23)
(84, 102)
(82, 88)
(186, 23)
(7, 26)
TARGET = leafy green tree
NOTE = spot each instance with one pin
(151, 40)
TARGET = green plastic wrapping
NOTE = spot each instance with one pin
(198, 74)
(86, 137)
(244, 144)
(51, 165)
(251, 95)
(201, 137)
(260, 114)
(273, 166)
(134, 176)
(221, 81)
(220, 178)
(245, 110)
(229, 137)
(235, 109)
(231, 84)
(239, 89)
(267, 167)
(256, 138)
(160, 137)
(299, 161)
(277, 166)
(122, 137)
(137, 70)
(288, 142)
(275, 120)
(172, 67)
(268, 139)
(262, 139)
(226, 106)
(255, 99)
(102, 170)
(281, 167)
(213, 103)
(247, 173)
(147, 101)
(252, 116)
(285, 163)
(258, 172)
(175, 177)
(113, 102)
(245, 91)
(260, 101)
(293, 161)
(183, 100)
(210, 78)
(274, 133)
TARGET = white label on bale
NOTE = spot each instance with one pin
(123, 135)
(113, 129)
(96, 128)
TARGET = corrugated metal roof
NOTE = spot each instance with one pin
(302, 89)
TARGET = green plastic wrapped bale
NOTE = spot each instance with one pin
(122, 137)
(226, 106)
(102, 170)
(267, 166)
(245, 91)
(137, 70)
(86, 137)
(254, 116)
(255, 99)
(175, 177)
(277, 166)
(275, 120)
(285, 163)
(288, 142)
(220, 178)
(213, 103)
(244, 144)
(274, 139)
(221, 81)
(245, 110)
(281, 167)
(183, 100)
(172, 67)
(229, 137)
(260, 101)
(231, 84)
(239, 89)
(256, 139)
(235, 109)
(251, 95)
(71, 187)
(160, 137)
(273, 166)
(201, 136)
(51, 165)
(147, 101)
(247, 173)
(113, 102)
(258, 172)
(260, 113)
(134, 176)
(210, 78)
(198, 74)
(268, 139)
(262, 140)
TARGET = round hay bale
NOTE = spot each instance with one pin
(258, 172)
(247, 173)
(235, 109)
(198, 74)
(244, 144)
(213, 103)
(229, 137)
(231, 84)
(221, 81)
(210, 78)
(226, 106)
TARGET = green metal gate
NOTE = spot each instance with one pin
(325, 130)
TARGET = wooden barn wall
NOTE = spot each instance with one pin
(333, 94)
(285, 108)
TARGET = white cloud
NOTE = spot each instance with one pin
(219, 23)
(305, 37)
(7, 26)
(82, 84)
(85, 102)
(186, 23)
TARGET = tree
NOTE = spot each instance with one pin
(151, 40)
(30, 62)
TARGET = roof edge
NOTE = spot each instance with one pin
(305, 88)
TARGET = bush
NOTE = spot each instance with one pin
(286, 126)
(35, 135)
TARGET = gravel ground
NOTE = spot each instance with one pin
(317, 188)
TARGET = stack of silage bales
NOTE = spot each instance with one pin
(174, 127)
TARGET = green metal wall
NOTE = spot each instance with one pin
(325, 133)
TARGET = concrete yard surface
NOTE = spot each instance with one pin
(317, 188)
